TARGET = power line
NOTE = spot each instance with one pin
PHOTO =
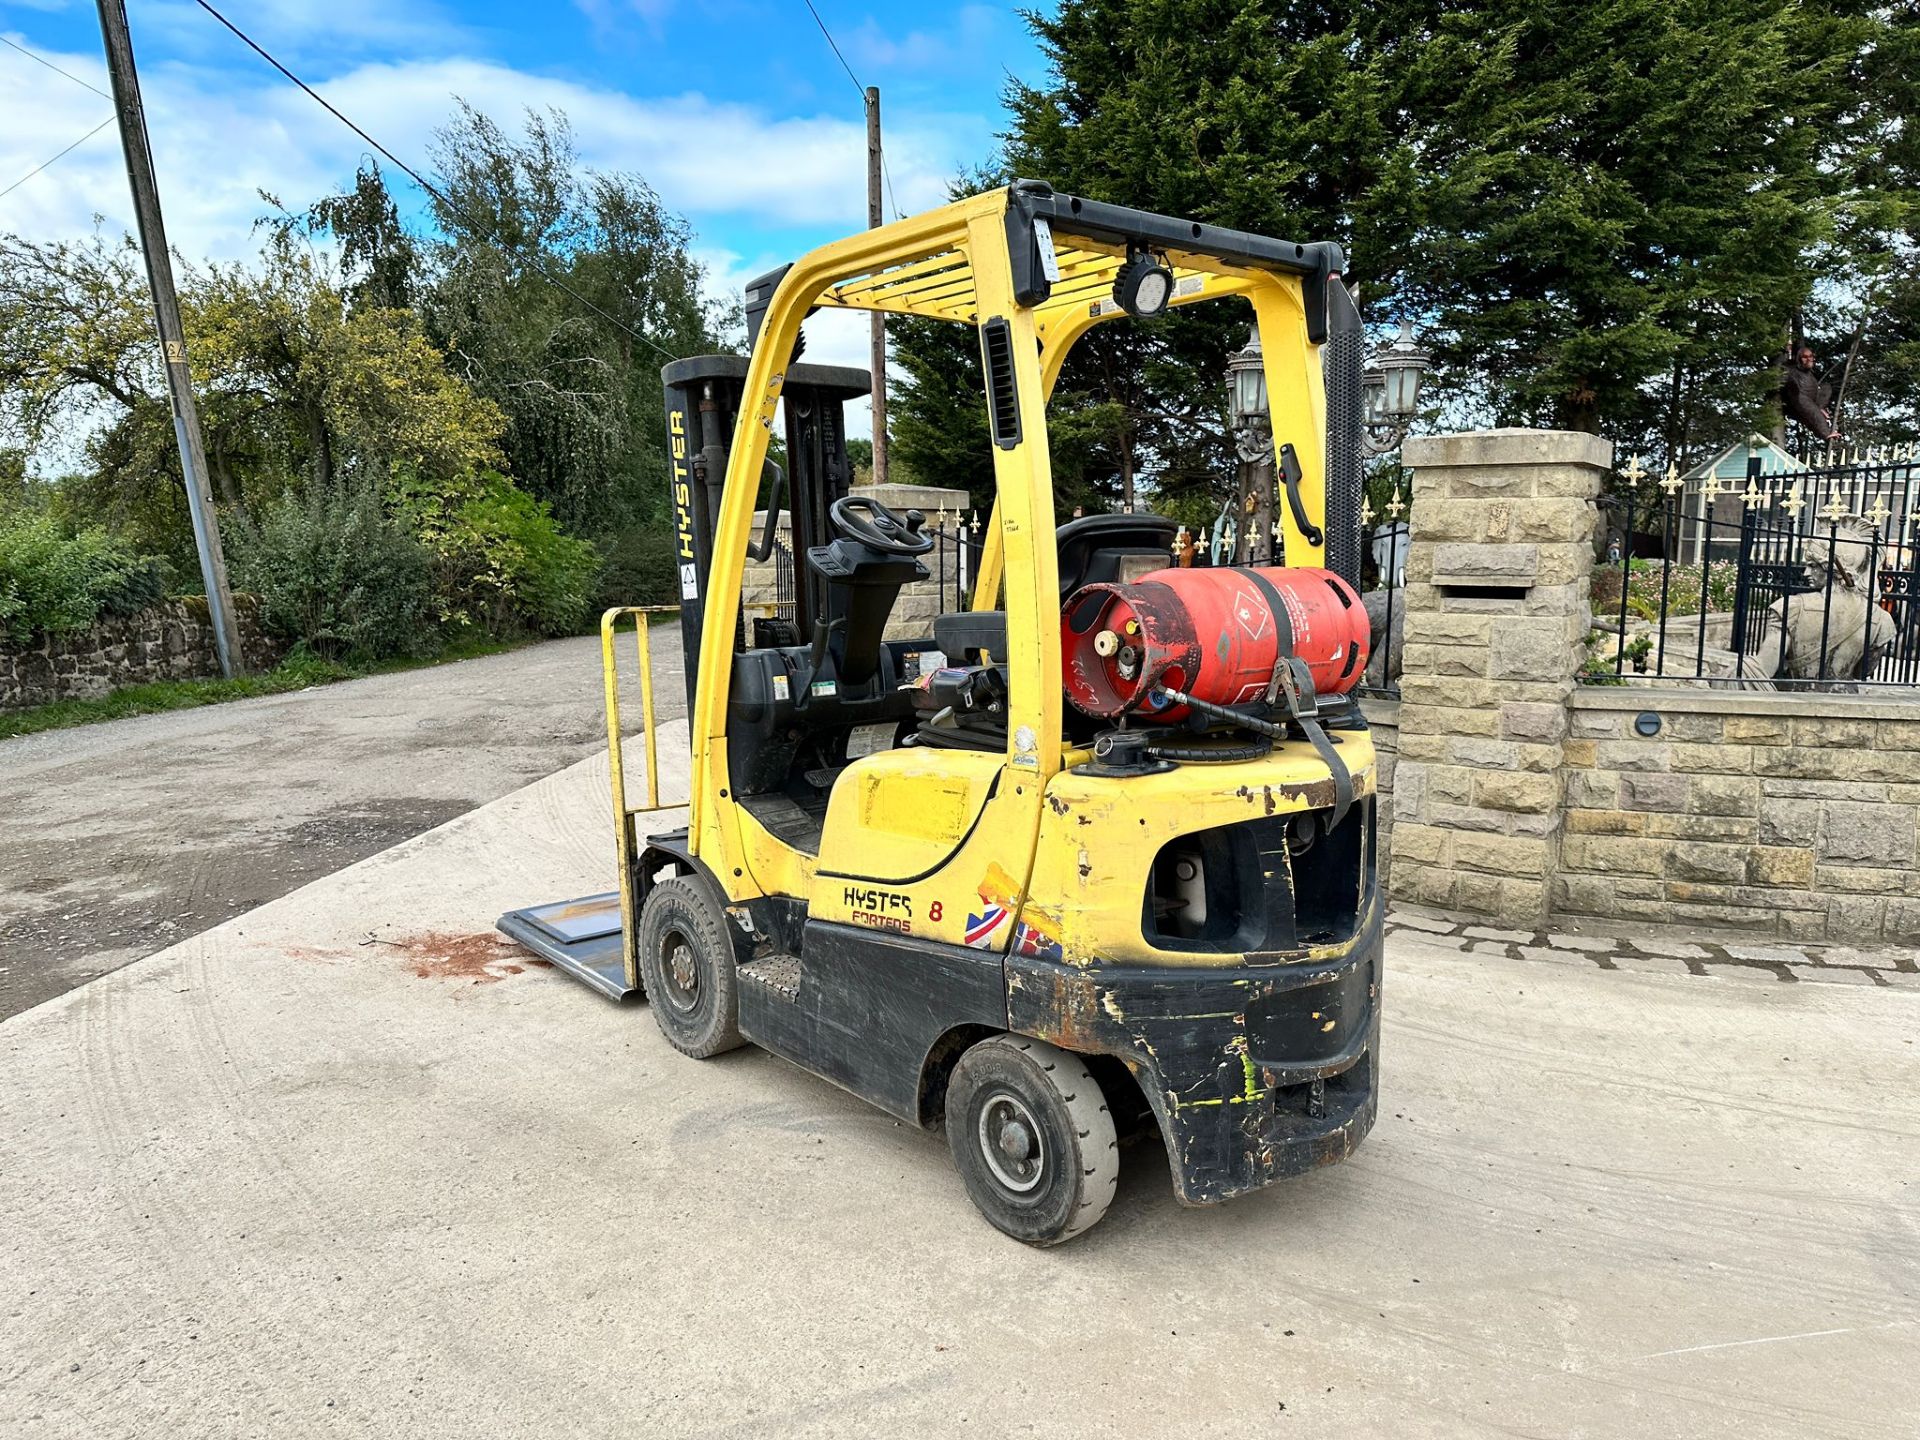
(477, 226)
(56, 70)
(44, 163)
(835, 48)
(885, 169)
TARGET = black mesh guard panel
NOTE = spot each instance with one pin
(1341, 361)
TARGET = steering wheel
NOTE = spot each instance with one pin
(862, 518)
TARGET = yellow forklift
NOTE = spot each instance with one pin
(1091, 858)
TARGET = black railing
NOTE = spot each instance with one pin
(1801, 578)
(955, 558)
(1384, 569)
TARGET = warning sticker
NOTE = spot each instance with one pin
(1251, 614)
(869, 740)
(1049, 262)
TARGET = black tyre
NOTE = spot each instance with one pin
(1032, 1137)
(686, 964)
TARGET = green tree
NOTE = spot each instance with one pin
(378, 254)
(559, 294)
(1623, 204)
(295, 384)
(1601, 216)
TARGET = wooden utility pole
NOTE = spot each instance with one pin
(875, 318)
(173, 345)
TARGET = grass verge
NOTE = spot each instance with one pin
(299, 671)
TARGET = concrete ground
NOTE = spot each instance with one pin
(347, 1166)
(126, 837)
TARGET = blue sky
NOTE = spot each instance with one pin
(735, 110)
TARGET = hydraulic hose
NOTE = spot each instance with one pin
(1210, 754)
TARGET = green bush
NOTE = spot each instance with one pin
(639, 567)
(334, 572)
(1644, 579)
(53, 583)
(501, 563)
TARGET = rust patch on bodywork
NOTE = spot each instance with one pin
(1310, 794)
(1070, 1017)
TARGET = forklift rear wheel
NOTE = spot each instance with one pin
(686, 964)
(1032, 1137)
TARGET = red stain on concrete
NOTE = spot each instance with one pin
(482, 959)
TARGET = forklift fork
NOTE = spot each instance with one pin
(588, 937)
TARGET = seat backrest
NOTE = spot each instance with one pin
(963, 634)
(1093, 547)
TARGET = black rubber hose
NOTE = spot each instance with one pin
(1211, 754)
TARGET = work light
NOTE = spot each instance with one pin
(1143, 285)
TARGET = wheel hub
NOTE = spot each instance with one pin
(1010, 1141)
(683, 972)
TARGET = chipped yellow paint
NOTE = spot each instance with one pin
(1097, 915)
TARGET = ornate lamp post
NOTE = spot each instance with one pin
(1253, 446)
(1392, 385)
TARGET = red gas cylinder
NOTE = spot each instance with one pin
(1212, 634)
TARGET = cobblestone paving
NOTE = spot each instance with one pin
(1722, 958)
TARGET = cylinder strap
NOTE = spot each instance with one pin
(1295, 687)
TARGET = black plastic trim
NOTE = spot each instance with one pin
(1028, 200)
(1003, 390)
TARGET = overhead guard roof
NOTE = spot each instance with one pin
(1090, 243)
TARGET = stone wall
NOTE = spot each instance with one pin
(170, 641)
(1520, 797)
(1497, 612)
(913, 612)
(1383, 719)
(1795, 814)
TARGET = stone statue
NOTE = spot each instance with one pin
(1858, 632)
(1384, 650)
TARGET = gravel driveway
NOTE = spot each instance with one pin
(126, 837)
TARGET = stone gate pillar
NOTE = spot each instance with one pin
(1497, 600)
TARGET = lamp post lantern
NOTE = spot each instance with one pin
(1391, 382)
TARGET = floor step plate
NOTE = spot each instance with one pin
(778, 973)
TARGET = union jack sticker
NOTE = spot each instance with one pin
(1030, 941)
(984, 931)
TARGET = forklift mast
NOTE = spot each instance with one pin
(703, 397)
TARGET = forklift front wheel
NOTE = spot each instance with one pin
(686, 964)
(1032, 1138)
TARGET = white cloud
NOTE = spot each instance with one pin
(217, 142)
(961, 45)
(222, 135)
